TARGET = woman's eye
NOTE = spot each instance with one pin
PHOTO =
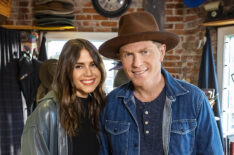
(78, 66)
(93, 64)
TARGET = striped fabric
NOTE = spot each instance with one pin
(11, 112)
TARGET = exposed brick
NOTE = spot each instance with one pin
(139, 9)
(170, 52)
(83, 17)
(90, 23)
(110, 24)
(179, 32)
(170, 58)
(168, 12)
(9, 22)
(168, 26)
(85, 29)
(23, 4)
(190, 18)
(99, 17)
(172, 64)
(174, 6)
(174, 19)
(173, 70)
(88, 4)
(24, 10)
(190, 64)
(179, 26)
(89, 10)
(179, 12)
(103, 30)
(130, 10)
(178, 51)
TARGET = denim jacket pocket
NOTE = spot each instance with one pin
(118, 135)
(182, 136)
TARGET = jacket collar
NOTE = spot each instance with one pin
(173, 88)
(49, 95)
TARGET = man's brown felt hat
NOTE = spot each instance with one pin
(134, 27)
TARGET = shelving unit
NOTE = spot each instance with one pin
(219, 23)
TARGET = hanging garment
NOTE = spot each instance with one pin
(43, 54)
(208, 77)
(29, 81)
(11, 112)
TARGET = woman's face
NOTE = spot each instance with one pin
(86, 75)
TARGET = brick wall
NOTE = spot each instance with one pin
(182, 62)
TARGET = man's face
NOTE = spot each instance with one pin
(142, 61)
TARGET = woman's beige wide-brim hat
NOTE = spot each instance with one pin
(134, 27)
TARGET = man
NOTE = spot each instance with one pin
(153, 113)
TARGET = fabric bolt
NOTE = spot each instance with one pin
(53, 21)
(52, 12)
(56, 6)
(42, 16)
(149, 116)
(47, 1)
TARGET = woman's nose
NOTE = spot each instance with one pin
(88, 71)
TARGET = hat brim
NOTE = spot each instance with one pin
(111, 47)
(47, 71)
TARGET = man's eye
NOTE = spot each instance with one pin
(127, 54)
(145, 52)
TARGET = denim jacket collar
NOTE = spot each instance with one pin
(173, 88)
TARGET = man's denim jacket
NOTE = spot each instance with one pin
(188, 125)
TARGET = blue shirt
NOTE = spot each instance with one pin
(188, 123)
(149, 115)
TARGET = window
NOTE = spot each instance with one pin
(56, 40)
(225, 68)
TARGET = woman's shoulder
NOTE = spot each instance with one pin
(46, 110)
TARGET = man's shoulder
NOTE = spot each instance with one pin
(189, 86)
(119, 91)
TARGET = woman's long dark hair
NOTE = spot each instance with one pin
(65, 91)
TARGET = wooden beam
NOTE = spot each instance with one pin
(219, 23)
(29, 27)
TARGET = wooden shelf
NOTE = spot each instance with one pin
(219, 23)
(5, 7)
(28, 27)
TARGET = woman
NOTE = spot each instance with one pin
(66, 119)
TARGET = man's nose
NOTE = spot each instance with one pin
(137, 60)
